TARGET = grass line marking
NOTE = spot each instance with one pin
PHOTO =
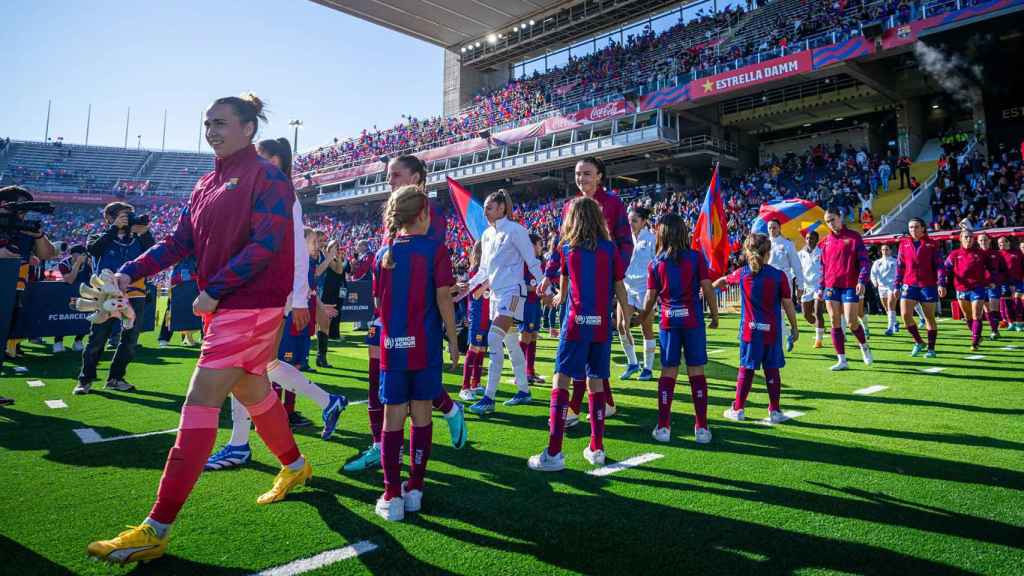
(55, 404)
(786, 415)
(870, 390)
(320, 560)
(36, 383)
(625, 464)
(934, 370)
(90, 436)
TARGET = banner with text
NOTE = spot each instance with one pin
(752, 75)
(356, 303)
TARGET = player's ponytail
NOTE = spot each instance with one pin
(248, 107)
(280, 148)
(673, 236)
(501, 197)
(403, 207)
(756, 248)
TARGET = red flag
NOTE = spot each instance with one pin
(709, 236)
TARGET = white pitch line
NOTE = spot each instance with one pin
(353, 403)
(716, 351)
(786, 415)
(90, 436)
(55, 404)
(625, 464)
(1009, 348)
(870, 390)
(934, 370)
(320, 560)
(36, 383)
(974, 357)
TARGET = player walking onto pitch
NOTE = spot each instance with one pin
(1013, 289)
(412, 280)
(530, 325)
(997, 275)
(636, 288)
(591, 276)
(813, 306)
(675, 280)
(478, 316)
(918, 267)
(785, 258)
(405, 171)
(238, 224)
(967, 267)
(844, 270)
(883, 273)
(764, 295)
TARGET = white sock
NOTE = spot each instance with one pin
(241, 423)
(290, 378)
(819, 333)
(160, 528)
(842, 323)
(892, 319)
(515, 354)
(628, 347)
(842, 358)
(297, 465)
(649, 346)
(496, 350)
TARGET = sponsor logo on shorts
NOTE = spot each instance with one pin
(400, 342)
(679, 312)
(760, 326)
(588, 320)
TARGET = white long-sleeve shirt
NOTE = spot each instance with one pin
(300, 282)
(883, 272)
(784, 257)
(810, 264)
(505, 247)
(643, 254)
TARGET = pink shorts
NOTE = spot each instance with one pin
(240, 339)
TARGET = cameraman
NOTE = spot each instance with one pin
(127, 237)
(19, 240)
(75, 270)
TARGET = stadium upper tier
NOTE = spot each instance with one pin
(71, 168)
(688, 50)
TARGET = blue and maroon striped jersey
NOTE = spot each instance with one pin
(592, 276)
(616, 217)
(411, 331)
(677, 282)
(531, 285)
(761, 297)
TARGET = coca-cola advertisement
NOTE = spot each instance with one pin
(603, 112)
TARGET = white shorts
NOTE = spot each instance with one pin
(636, 291)
(508, 302)
(809, 295)
(884, 293)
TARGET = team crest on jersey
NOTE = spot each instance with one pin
(479, 337)
(288, 357)
(232, 184)
(372, 332)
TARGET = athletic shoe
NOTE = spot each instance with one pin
(662, 434)
(817, 342)
(305, 368)
(413, 499)
(595, 457)
(975, 347)
(229, 457)
(520, 397)
(5, 401)
(58, 347)
(609, 411)
(323, 363)
(921, 325)
(297, 420)
(478, 392)
(536, 379)
(867, 330)
(890, 332)
(332, 413)
(840, 365)
(896, 328)
(391, 510)
(84, 386)
(368, 459)
(789, 343)
(916, 350)
(702, 435)
(631, 370)
(78, 346)
(734, 415)
(930, 354)
(119, 385)
(865, 352)
(286, 480)
(457, 428)
(544, 462)
(137, 544)
(571, 419)
(467, 395)
(483, 406)
(993, 336)
(162, 344)
(776, 417)
(645, 375)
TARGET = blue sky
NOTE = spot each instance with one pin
(336, 73)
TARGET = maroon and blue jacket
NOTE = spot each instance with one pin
(918, 263)
(1012, 261)
(617, 220)
(238, 224)
(844, 260)
(967, 266)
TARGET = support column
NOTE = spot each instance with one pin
(910, 127)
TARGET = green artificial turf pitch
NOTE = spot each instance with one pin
(925, 477)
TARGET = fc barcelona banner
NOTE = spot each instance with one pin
(356, 303)
(46, 311)
(180, 308)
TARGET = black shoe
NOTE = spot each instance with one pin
(297, 420)
(5, 401)
(323, 363)
(306, 368)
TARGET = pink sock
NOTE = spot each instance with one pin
(443, 402)
(596, 407)
(556, 424)
(271, 421)
(839, 340)
(744, 380)
(975, 331)
(933, 335)
(993, 320)
(526, 356)
(608, 398)
(666, 390)
(773, 380)
(420, 438)
(373, 405)
(467, 369)
(391, 461)
(858, 333)
(478, 368)
(699, 391)
(912, 328)
(579, 387)
(185, 460)
(531, 357)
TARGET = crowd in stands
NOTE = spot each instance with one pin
(982, 192)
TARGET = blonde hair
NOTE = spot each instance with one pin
(403, 207)
(673, 236)
(584, 224)
(475, 253)
(756, 248)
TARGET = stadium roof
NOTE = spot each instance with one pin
(446, 23)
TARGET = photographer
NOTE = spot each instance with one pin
(127, 237)
(21, 239)
(75, 270)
